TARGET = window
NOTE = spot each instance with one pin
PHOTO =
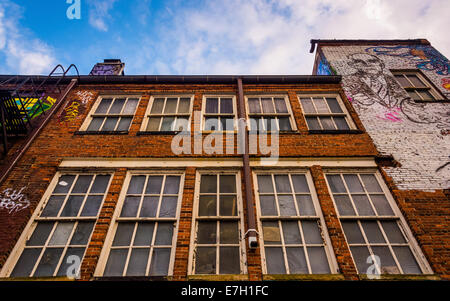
(219, 113)
(270, 113)
(293, 233)
(372, 224)
(168, 114)
(416, 85)
(111, 114)
(218, 244)
(141, 243)
(63, 228)
(325, 112)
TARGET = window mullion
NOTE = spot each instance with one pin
(67, 195)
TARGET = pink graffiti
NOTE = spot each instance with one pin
(392, 115)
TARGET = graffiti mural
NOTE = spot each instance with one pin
(13, 201)
(31, 105)
(446, 83)
(85, 96)
(75, 107)
(106, 69)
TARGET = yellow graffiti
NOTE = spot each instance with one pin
(71, 111)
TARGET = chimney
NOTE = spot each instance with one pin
(109, 67)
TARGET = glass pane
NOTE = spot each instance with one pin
(336, 184)
(407, 261)
(40, 234)
(228, 205)
(154, 185)
(157, 106)
(73, 205)
(144, 234)
(64, 184)
(334, 105)
(67, 265)
(206, 232)
(130, 206)
(95, 124)
(253, 104)
(208, 184)
(205, 260)
(360, 255)
(265, 184)
(153, 124)
(229, 260)
(327, 123)
(270, 124)
(311, 232)
(171, 105)
(321, 105)
(267, 105)
(381, 205)
(168, 206)
(61, 234)
(124, 124)
(131, 105)
(116, 108)
(344, 205)
(227, 124)
(212, 105)
(313, 123)
(416, 81)
(110, 124)
(100, 184)
(291, 232)
(318, 260)
(297, 261)
(300, 184)
(164, 234)
(136, 185)
(48, 262)
(160, 262)
(341, 123)
(229, 233)
(149, 206)
(307, 105)
(82, 233)
(352, 232)
(116, 262)
(123, 235)
(92, 205)
(282, 183)
(287, 205)
(168, 124)
(371, 183)
(285, 124)
(305, 205)
(211, 124)
(271, 233)
(53, 206)
(184, 105)
(402, 81)
(268, 206)
(26, 263)
(172, 185)
(393, 232)
(414, 95)
(353, 183)
(280, 105)
(388, 265)
(227, 184)
(426, 95)
(82, 184)
(207, 205)
(103, 106)
(182, 124)
(275, 261)
(372, 231)
(226, 105)
(137, 264)
(362, 204)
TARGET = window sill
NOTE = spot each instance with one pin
(237, 277)
(60, 278)
(101, 133)
(146, 133)
(305, 277)
(336, 132)
(274, 132)
(401, 277)
(133, 278)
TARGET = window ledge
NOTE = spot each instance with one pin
(133, 278)
(101, 133)
(37, 279)
(143, 133)
(306, 277)
(237, 277)
(335, 132)
(274, 132)
(401, 277)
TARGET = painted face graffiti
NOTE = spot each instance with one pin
(13, 201)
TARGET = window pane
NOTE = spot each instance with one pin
(308, 105)
(53, 206)
(268, 206)
(48, 262)
(153, 124)
(123, 235)
(73, 205)
(341, 123)
(131, 105)
(40, 234)
(229, 260)
(334, 105)
(275, 261)
(61, 234)
(65, 266)
(253, 104)
(95, 124)
(226, 105)
(313, 123)
(172, 185)
(149, 206)
(297, 261)
(144, 234)
(344, 205)
(124, 124)
(136, 185)
(64, 184)
(393, 232)
(426, 95)
(207, 205)
(271, 233)
(305, 205)
(103, 106)
(311, 232)
(291, 232)
(160, 262)
(388, 265)
(164, 234)
(416, 81)
(372, 231)
(300, 184)
(26, 263)
(82, 184)
(157, 106)
(212, 105)
(92, 205)
(82, 233)
(362, 204)
(265, 184)
(110, 124)
(267, 105)
(182, 124)
(321, 105)
(402, 81)
(381, 205)
(168, 206)
(211, 124)
(208, 184)
(227, 124)
(227, 184)
(154, 185)
(414, 95)
(205, 260)
(207, 232)
(270, 124)
(327, 123)
(137, 264)
(285, 124)
(168, 124)
(282, 183)
(184, 105)
(130, 206)
(116, 108)
(228, 206)
(336, 184)
(352, 232)
(116, 262)
(100, 184)
(287, 205)
(360, 255)
(371, 183)
(280, 105)
(171, 105)
(318, 260)
(407, 261)
(229, 233)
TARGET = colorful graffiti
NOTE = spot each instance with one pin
(75, 107)
(31, 105)
(446, 83)
(106, 69)
(393, 115)
(13, 201)
(323, 68)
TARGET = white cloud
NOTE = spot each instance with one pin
(99, 13)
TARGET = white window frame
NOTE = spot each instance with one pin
(289, 114)
(219, 115)
(35, 219)
(345, 113)
(398, 216)
(148, 115)
(91, 113)
(196, 218)
(428, 86)
(328, 247)
(104, 255)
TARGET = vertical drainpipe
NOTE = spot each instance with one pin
(243, 130)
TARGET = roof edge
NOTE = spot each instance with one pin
(337, 42)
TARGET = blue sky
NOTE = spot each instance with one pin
(203, 36)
